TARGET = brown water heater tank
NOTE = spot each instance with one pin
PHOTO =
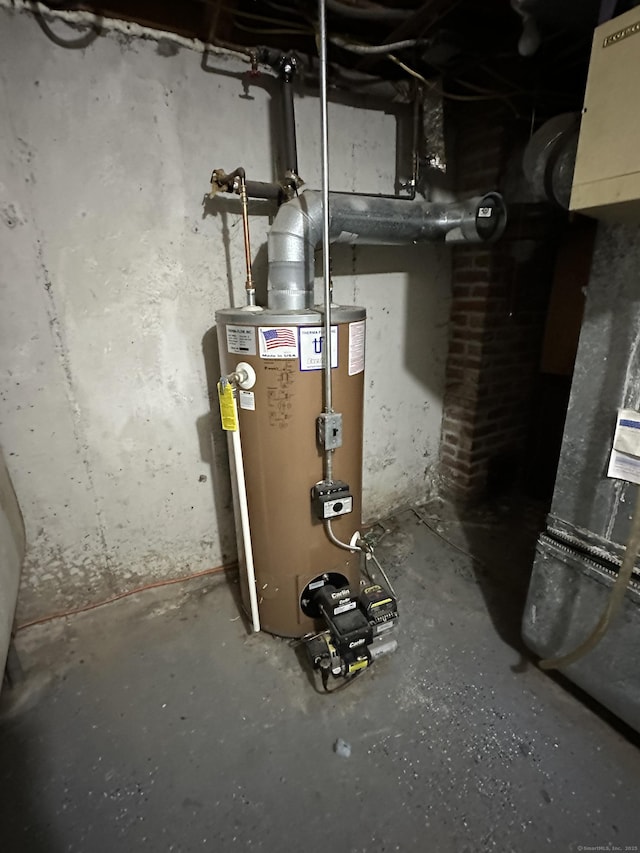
(282, 460)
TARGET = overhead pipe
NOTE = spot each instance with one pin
(297, 230)
(287, 72)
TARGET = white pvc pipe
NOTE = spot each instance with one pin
(244, 521)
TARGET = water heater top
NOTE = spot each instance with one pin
(308, 317)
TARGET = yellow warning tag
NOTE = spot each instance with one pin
(228, 413)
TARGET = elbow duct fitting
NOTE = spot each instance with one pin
(297, 230)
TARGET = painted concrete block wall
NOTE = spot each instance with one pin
(112, 270)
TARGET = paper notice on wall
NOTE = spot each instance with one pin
(312, 347)
(241, 340)
(624, 463)
(356, 347)
(278, 341)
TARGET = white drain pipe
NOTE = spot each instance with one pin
(244, 522)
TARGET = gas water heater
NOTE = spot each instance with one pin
(304, 564)
(292, 394)
(305, 585)
(283, 460)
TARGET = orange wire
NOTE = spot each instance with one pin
(138, 589)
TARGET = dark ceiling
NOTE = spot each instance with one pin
(473, 50)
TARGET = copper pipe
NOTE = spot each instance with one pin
(250, 289)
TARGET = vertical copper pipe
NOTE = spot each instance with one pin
(250, 289)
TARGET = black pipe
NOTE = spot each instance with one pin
(265, 190)
(415, 161)
(289, 128)
(229, 183)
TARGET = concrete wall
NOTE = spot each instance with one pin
(112, 270)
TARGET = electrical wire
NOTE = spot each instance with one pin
(381, 570)
(84, 40)
(439, 90)
(614, 603)
(348, 679)
(437, 533)
(157, 584)
(410, 71)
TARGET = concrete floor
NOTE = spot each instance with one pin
(162, 725)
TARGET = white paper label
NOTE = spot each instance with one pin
(278, 341)
(627, 435)
(344, 607)
(356, 347)
(312, 345)
(624, 463)
(241, 340)
(247, 400)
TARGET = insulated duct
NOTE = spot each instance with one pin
(297, 230)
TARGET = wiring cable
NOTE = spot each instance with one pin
(84, 40)
(614, 603)
(439, 90)
(447, 541)
(156, 585)
(349, 679)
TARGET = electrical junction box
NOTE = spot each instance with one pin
(606, 180)
(330, 500)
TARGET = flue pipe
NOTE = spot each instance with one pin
(297, 230)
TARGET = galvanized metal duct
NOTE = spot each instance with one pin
(297, 230)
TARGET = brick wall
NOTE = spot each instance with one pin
(498, 311)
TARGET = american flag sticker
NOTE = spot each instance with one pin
(278, 341)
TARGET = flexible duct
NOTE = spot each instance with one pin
(297, 230)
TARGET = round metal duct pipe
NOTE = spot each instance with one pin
(297, 230)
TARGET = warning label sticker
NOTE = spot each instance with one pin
(350, 605)
(241, 340)
(247, 400)
(356, 347)
(278, 341)
(312, 347)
